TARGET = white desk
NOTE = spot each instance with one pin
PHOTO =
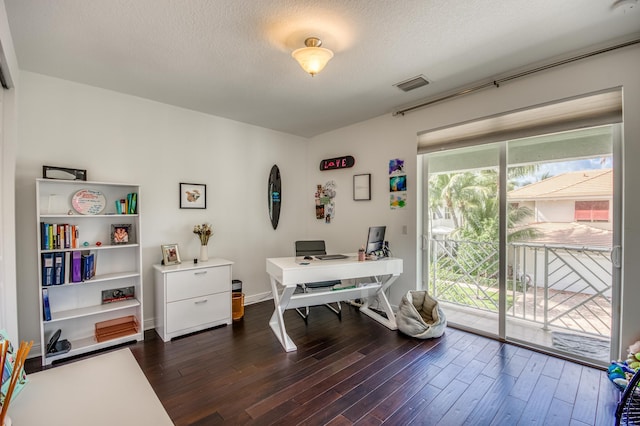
(287, 272)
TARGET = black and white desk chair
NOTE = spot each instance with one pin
(312, 248)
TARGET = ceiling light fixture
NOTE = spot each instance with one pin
(312, 58)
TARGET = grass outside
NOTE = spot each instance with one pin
(485, 298)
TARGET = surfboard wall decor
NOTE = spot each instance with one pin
(275, 195)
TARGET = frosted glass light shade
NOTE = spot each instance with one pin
(312, 58)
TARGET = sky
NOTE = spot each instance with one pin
(559, 167)
(571, 166)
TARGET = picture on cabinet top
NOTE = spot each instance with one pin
(170, 254)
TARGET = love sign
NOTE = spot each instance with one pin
(337, 163)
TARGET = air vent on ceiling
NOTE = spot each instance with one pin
(412, 83)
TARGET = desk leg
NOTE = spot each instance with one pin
(281, 300)
(390, 321)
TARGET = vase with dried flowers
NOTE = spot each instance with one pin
(203, 232)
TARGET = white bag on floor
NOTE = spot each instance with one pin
(419, 315)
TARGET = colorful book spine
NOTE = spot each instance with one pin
(61, 237)
(76, 267)
(88, 266)
(54, 236)
(44, 235)
(50, 237)
(74, 236)
(46, 309)
(92, 265)
(67, 236)
(127, 205)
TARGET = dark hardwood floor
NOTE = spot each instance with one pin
(356, 371)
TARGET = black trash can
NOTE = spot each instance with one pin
(236, 286)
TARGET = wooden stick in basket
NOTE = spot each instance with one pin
(3, 359)
(21, 356)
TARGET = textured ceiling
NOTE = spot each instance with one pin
(232, 58)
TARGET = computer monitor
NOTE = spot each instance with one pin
(375, 240)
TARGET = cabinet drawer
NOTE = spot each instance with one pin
(197, 311)
(197, 282)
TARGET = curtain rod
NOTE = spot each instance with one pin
(498, 81)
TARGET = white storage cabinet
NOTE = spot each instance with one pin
(192, 297)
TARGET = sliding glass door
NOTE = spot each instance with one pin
(462, 234)
(519, 237)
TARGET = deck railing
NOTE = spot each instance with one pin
(558, 286)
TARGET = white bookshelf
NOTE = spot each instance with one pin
(76, 307)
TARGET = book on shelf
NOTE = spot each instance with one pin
(55, 236)
(61, 236)
(89, 263)
(75, 270)
(74, 236)
(46, 309)
(47, 269)
(132, 200)
(67, 235)
(127, 205)
(59, 265)
(44, 236)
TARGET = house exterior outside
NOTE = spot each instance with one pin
(571, 210)
(578, 198)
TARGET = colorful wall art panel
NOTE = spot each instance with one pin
(325, 204)
(397, 184)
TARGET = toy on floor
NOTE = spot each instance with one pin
(620, 372)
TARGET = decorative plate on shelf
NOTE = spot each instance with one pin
(88, 201)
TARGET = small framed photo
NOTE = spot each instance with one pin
(118, 294)
(170, 254)
(362, 187)
(122, 233)
(63, 173)
(193, 196)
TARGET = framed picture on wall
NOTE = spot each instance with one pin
(193, 196)
(362, 187)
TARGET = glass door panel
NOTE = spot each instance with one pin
(559, 239)
(461, 256)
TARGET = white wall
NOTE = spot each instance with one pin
(8, 141)
(375, 141)
(120, 138)
(555, 211)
